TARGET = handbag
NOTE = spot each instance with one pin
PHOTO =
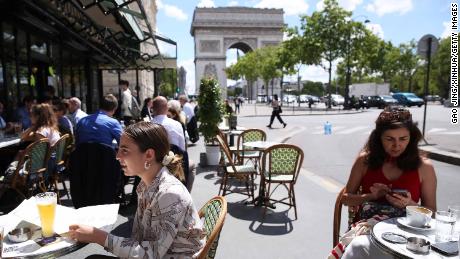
(279, 109)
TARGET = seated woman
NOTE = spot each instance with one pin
(44, 125)
(166, 224)
(390, 160)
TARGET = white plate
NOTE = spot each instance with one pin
(403, 222)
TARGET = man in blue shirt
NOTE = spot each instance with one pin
(23, 112)
(100, 127)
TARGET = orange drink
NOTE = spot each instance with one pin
(46, 203)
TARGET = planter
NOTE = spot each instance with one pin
(213, 155)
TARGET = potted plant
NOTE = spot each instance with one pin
(210, 115)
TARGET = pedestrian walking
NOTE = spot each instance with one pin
(236, 100)
(276, 112)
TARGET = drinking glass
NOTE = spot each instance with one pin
(46, 204)
(445, 222)
(455, 209)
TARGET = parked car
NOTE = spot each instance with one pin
(433, 98)
(381, 101)
(337, 99)
(408, 99)
(289, 98)
(305, 98)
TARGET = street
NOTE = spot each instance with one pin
(327, 163)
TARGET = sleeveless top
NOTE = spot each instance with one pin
(408, 180)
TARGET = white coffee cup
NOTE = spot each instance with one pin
(418, 216)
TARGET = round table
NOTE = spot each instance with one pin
(400, 250)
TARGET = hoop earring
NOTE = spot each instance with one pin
(146, 165)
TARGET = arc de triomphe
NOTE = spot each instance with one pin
(217, 29)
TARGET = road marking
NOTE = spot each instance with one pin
(450, 133)
(352, 130)
(334, 128)
(433, 130)
(327, 184)
(291, 134)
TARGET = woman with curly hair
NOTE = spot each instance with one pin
(44, 125)
(390, 160)
(166, 224)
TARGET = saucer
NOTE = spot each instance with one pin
(403, 222)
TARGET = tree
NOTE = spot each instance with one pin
(267, 58)
(441, 69)
(246, 67)
(328, 31)
(313, 88)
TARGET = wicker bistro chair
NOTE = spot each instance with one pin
(213, 212)
(243, 152)
(29, 176)
(235, 170)
(60, 151)
(281, 165)
(352, 210)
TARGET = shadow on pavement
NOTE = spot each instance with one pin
(274, 223)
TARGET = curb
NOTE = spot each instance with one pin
(441, 155)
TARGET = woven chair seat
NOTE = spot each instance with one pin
(241, 169)
(280, 177)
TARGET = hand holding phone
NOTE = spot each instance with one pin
(402, 192)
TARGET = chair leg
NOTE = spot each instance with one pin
(252, 187)
(293, 200)
(224, 190)
(266, 199)
(65, 189)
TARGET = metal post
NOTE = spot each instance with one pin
(426, 83)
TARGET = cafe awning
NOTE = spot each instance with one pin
(117, 30)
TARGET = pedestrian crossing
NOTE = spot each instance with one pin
(366, 130)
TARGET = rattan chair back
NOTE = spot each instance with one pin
(213, 212)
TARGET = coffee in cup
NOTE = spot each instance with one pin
(418, 216)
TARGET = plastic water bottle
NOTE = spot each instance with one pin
(327, 128)
(123, 126)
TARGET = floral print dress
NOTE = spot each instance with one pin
(166, 224)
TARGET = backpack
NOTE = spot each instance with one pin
(135, 109)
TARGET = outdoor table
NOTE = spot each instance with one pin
(400, 250)
(9, 141)
(26, 215)
(261, 146)
(232, 133)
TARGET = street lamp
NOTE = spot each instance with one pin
(348, 69)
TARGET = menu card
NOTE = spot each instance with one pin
(26, 214)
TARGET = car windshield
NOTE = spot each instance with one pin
(411, 96)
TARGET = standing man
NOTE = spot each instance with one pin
(100, 127)
(191, 120)
(126, 102)
(75, 112)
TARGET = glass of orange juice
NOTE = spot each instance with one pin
(46, 204)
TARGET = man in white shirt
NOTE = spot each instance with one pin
(75, 112)
(186, 107)
(126, 102)
(173, 128)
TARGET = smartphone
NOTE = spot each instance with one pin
(446, 248)
(402, 192)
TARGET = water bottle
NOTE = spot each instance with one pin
(327, 128)
(123, 126)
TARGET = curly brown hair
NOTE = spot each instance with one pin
(45, 116)
(390, 119)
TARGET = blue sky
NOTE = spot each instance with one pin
(396, 20)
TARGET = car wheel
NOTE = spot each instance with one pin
(419, 105)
